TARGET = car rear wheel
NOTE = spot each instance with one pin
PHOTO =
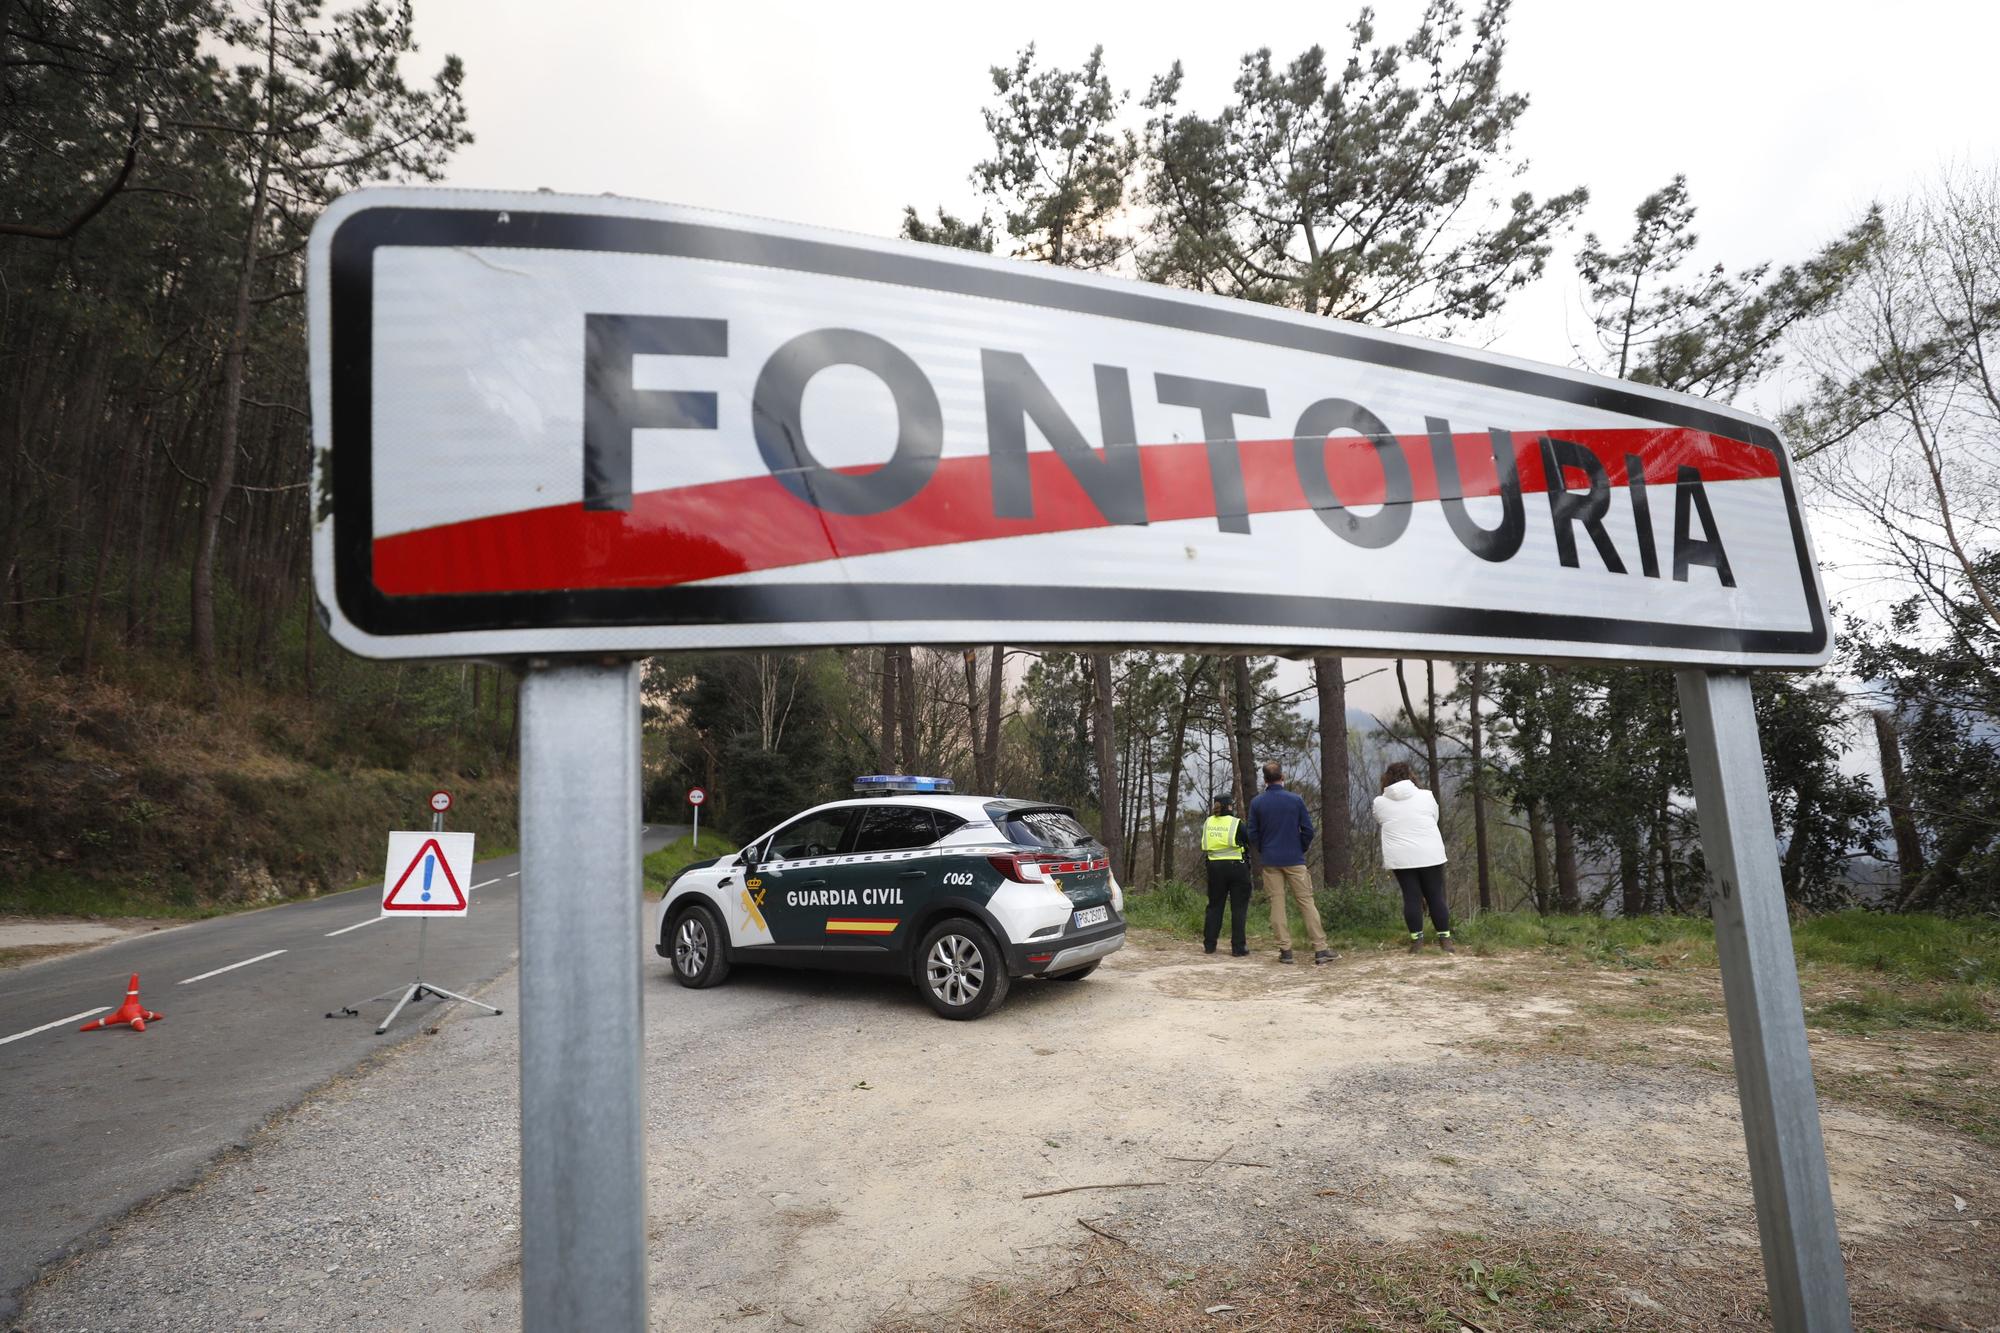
(1079, 974)
(700, 952)
(960, 970)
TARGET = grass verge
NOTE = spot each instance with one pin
(678, 855)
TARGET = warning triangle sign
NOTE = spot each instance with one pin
(427, 885)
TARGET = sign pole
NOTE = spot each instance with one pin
(583, 1199)
(695, 837)
(1803, 1271)
(424, 925)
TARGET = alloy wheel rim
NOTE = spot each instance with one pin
(956, 970)
(691, 948)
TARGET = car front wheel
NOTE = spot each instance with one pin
(960, 970)
(700, 953)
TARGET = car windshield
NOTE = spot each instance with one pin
(1047, 828)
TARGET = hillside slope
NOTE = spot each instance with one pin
(122, 797)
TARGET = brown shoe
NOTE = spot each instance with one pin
(1444, 942)
(1416, 944)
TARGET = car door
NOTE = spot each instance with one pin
(890, 872)
(801, 874)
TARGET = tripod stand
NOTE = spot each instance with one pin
(416, 990)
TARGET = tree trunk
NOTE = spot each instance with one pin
(1670, 899)
(201, 582)
(1479, 846)
(1431, 723)
(1896, 790)
(973, 732)
(1569, 898)
(1104, 743)
(886, 751)
(1139, 799)
(514, 725)
(1335, 781)
(1427, 728)
(906, 663)
(20, 603)
(312, 629)
(1538, 848)
(995, 698)
(1176, 765)
(1245, 756)
(1632, 898)
(104, 546)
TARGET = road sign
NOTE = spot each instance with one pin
(696, 796)
(564, 425)
(578, 430)
(440, 801)
(427, 874)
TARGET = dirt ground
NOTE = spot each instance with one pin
(1387, 1142)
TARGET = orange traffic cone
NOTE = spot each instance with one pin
(129, 1012)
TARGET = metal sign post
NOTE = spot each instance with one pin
(695, 797)
(1803, 1272)
(583, 1177)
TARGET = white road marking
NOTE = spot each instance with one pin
(231, 968)
(483, 883)
(513, 874)
(88, 1013)
(356, 926)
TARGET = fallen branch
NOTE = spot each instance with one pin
(1071, 1189)
(1226, 1150)
(1102, 1232)
(1214, 1161)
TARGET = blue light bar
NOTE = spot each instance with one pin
(897, 784)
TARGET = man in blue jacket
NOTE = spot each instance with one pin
(1281, 829)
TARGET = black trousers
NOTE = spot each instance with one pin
(1424, 887)
(1228, 881)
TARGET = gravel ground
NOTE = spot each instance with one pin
(826, 1153)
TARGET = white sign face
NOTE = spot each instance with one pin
(567, 425)
(696, 796)
(428, 874)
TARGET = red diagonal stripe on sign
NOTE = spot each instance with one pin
(734, 527)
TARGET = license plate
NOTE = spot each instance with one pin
(1093, 916)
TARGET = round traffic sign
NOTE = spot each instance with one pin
(696, 796)
(440, 800)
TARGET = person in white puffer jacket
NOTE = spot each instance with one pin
(1413, 849)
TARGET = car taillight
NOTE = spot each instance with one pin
(1020, 869)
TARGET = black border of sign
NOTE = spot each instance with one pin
(351, 267)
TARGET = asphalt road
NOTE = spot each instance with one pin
(92, 1124)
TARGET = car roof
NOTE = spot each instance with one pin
(966, 807)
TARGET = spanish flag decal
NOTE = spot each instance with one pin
(861, 925)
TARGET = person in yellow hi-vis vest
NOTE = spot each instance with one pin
(1228, 877)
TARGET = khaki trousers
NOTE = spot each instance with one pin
(1279, 879)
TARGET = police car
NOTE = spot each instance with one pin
(958, 893)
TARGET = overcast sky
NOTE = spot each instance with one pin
(1787, 118)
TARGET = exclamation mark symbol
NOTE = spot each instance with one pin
(429, 861)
